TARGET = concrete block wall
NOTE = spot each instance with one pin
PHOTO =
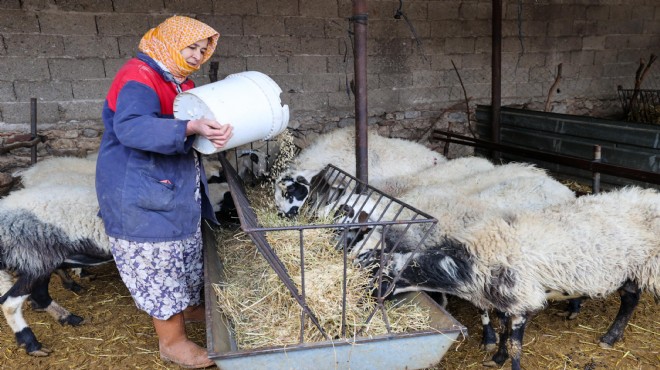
(65, 53)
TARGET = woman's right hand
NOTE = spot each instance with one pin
(217, 133)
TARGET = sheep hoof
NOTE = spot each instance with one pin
(74, 287)
(42, 352)
(605, 345)
(490, 363)
(488, 347)
(73, 320)
(572, 315)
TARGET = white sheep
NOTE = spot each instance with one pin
(60, 171)
(591, 247)
(450, 172)
(43, 228)
(387, 157)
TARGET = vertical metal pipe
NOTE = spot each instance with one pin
(360, 18)
(496, 72)
(33, 128)
(595, 184)
(213, 71)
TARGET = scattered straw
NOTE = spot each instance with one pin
(287, 152)
(264, 313)
(577, 187)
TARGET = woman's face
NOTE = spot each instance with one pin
(194, 53)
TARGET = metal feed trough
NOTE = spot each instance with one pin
(404, 350)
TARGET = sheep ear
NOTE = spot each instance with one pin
(302, 180)
(363, 217)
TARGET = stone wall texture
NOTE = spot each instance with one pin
(64, 53)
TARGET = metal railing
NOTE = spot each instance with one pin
(330, 196)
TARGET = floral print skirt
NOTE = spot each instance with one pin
(163, 277)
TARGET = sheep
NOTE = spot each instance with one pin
(252, 165)
(60, 171)
(449, 172)
(388, 157)
(459, 203)
(223, 204)
(591, 247)
(39, 234)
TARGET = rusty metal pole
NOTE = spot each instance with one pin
(33, 128)
(359, 19)
(496, 73)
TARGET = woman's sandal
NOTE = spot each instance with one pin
(199, 365)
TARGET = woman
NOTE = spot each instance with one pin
(151, 188)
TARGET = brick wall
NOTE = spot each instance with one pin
(65, 53)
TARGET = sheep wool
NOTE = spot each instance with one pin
(60, 171)
(388, 157)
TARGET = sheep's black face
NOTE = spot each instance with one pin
(290, 195)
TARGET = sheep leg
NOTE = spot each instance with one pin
(41, 299)
(518, 323)
(572, 309)
(67, 282)
(502, 353)
(630, 294)
(489, 338)
(12, 303)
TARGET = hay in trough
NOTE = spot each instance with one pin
(263, 312)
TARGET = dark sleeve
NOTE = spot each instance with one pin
(137, 122)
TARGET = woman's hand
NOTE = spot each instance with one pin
(218, 134)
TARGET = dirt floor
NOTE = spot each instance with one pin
(118, 336)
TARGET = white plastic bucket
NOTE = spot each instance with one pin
(249, 101)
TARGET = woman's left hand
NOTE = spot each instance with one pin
(217, 133)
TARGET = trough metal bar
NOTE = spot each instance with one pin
(249, 220)
(423, 214)
(302, 284)
(576, 162)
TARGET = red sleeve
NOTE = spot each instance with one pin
(139, 71)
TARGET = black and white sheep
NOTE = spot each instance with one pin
(62, 171)
(457, 204)
(43, 228)
(592, 247)
(388, 157)
(251, 165)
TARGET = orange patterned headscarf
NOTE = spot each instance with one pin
(165, 42)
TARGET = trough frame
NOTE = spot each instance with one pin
(409, 350)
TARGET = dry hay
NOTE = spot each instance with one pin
(577, 187)
(553, 342)
(287, 151)
(115, 335)
(262, 310)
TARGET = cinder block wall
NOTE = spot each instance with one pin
(65, 53)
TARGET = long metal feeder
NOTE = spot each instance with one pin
(407, 350)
